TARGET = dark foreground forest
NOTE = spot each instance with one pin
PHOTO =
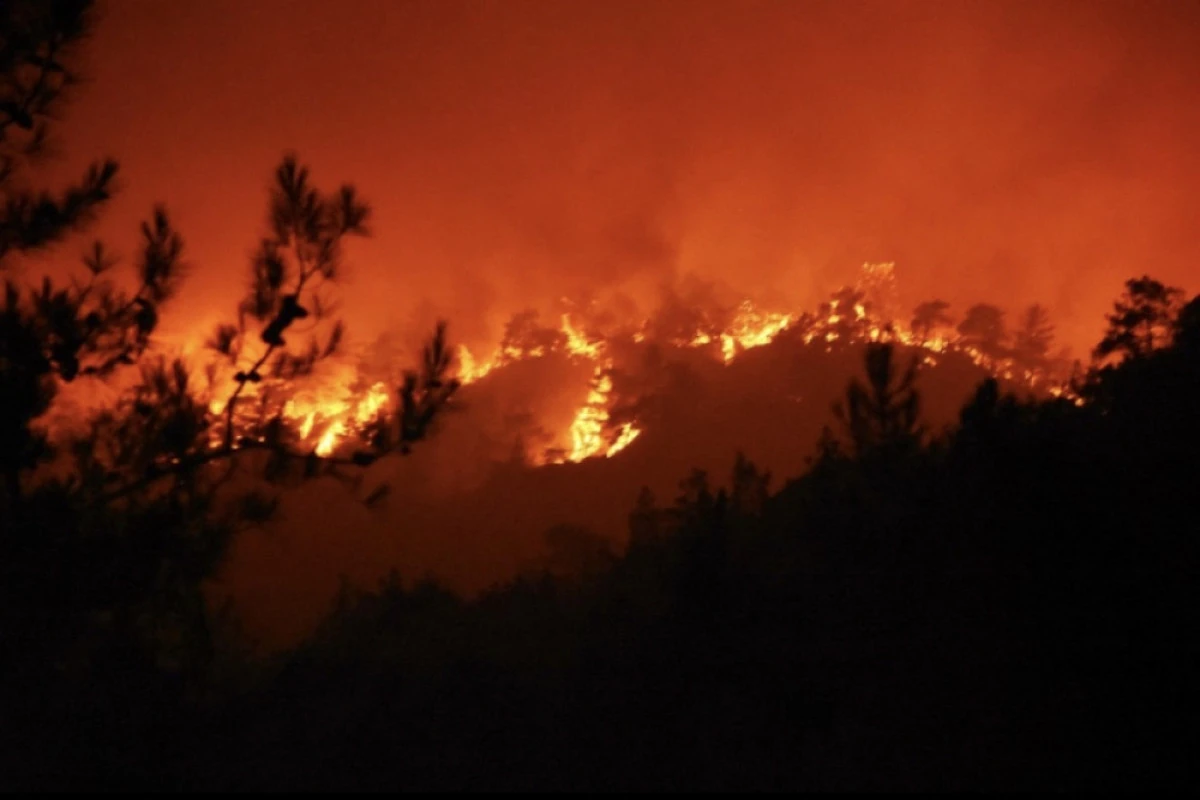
(1009, 605)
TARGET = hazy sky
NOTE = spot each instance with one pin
(516, 151)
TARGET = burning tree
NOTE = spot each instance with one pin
(845, 315)
(929, 317)
(877, 282)
(525, 336)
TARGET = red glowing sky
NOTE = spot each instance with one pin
(516, 151)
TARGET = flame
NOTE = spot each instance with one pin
(329, 440)
(333, 412)
(589, 432)
(324, 418)
(624, 439)
(372, 404)
(577, 343)
(752, 328)
(588, 426)
(471, 370)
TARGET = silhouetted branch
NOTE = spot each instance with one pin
(29, 221)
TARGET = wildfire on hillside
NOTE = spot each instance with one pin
(327, 416)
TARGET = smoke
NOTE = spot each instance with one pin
(625, 155)
(518, 152)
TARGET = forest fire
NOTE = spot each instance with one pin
(589, 435)
(556, 438)
(751, 328)
(328, 414)
(329, 420)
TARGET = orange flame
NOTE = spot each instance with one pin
(326, 417)
(588, 431)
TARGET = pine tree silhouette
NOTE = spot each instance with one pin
(39, 44)
(1141, 320)
(983, 328)
(881, 417)
(302, 254)
(1033, 339)
(928, 317)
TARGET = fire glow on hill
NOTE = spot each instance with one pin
(329, 415)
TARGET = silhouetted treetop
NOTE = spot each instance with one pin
(38, 40)
(983, 327)
(288, 273)
(1141, 321)
(426, 392)
(92, 327)
(748, 487)
(930, 316)
(846, 313)
(1187, 327)
(882, 417)
(1034, 336)
(38, 44)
